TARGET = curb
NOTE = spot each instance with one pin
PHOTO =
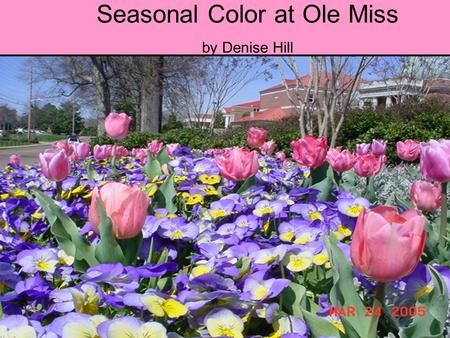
(26, 146)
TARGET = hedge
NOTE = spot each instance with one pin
(421, 121)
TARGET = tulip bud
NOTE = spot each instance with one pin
(238, 164)
(368, 165)
(116, 125)
(340, 160)
(435, 160)
(140, 154)
(256, 137)
(426, 196)
(102, 152)
(362, 149)
(154, 147)
(310, 151)
(171, 148)
(268, 147)
(387, 246)
(119, 151)
(378, 147)
(408, 150)
(81, 151)
(64, 145)
(125, 205)
(14, 159)
(55, 165)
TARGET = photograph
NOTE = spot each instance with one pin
(240, 195)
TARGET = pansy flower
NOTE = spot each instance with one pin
(260, 289)
(131, 327)
(177, 229)
(35, 260)
(266, 207)
(352, 207)
(222, 322)
(158, 304)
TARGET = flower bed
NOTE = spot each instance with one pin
(174, 242)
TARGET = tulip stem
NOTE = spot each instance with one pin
(377, 303)
(444, 207)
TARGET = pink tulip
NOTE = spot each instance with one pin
(280, 156)
(435, 160)
(116, 125)
(102, 152)
(408, 150)
(387, 246)
(140, 154)
(154, 147)
(340, 160)
(171, 148)
(64, 145)
(310, 151)
(14, 159)
(256, 137)
(362, 149)
(119, 151)
(378, 147)
(125, 205)
(238, 164)
(268, 148)
(81, 151)
(426, 196)
(55, 164)
(368, 165)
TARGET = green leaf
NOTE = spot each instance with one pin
(435, 304)
(67, 233)
(91, 174)
(247, 185)
(163, 157)
(403, 203)
(130, 248)
(319, 326)
(292, 299)
(343, 293)
(320, 173)
(107, 250)
(168, 192)
(325, 186)
(152, 167)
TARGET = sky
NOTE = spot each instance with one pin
(14, 84)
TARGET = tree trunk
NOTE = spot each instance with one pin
(102, 93)
(151, 104)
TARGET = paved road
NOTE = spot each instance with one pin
(28, 154)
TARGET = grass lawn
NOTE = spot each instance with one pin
(20, 141)
(51, 138)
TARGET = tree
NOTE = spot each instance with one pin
(172, 123)
(8, 118)
(326, 94)
(219, 121)
(218, 79)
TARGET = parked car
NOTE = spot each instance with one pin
(73, 138)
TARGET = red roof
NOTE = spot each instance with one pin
(255, 104)
(272, 114)
(304, 81)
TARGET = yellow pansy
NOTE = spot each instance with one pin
(423, 291)
(217, 213)
(209, 179)
(4, 197)
(194, 199)
(320, 258)
(151, 189)
(299, 262)
(304, 238)
(87, 300)
(19, 193)
(178, 179)
(210, 190)
(224, 323)
(200, 270)
(65, 258)
(121, 329)
(161, 307)
(22, 332)
(86, 329)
